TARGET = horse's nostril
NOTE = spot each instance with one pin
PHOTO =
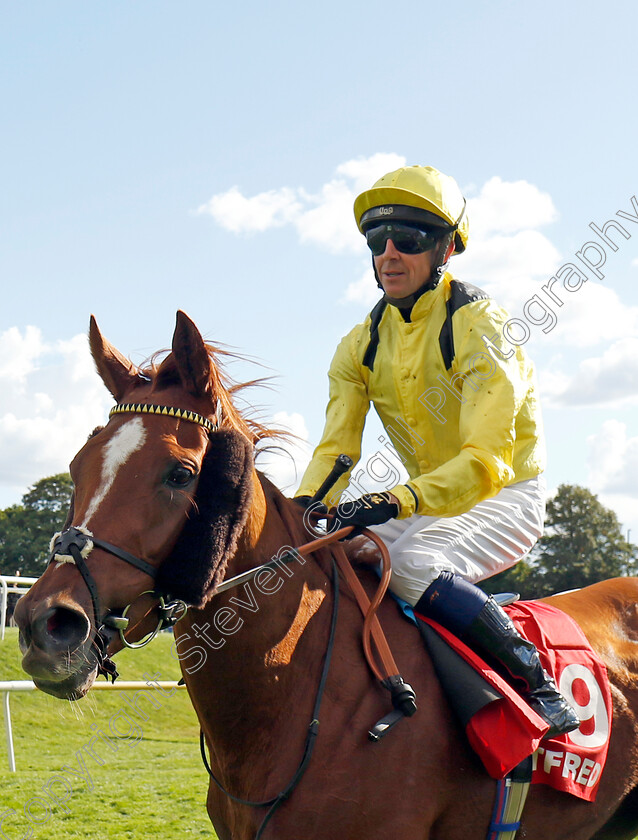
(64, 627)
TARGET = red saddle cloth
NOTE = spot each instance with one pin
(506, 731)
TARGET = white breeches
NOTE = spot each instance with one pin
(489, 538)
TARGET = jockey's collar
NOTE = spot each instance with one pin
(405, 304)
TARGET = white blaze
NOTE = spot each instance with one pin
(127, 440)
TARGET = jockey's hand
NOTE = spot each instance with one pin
(370, 509)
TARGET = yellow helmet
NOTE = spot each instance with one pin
(415, 194)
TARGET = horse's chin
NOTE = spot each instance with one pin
(73, 687)
(66, 680)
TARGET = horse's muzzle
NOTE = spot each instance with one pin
(58, 651)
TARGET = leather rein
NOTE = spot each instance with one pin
(403, 696)
(74, 544)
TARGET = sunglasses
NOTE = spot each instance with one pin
(406, 239)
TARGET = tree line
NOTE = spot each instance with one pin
(583, 541)
(26, 529)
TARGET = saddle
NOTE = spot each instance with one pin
(501, 728)
(504, 731)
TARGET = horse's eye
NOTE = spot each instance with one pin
(179, 476)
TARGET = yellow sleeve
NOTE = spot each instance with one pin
(346, 412)
(493, 389)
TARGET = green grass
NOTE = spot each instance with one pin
(153, 788)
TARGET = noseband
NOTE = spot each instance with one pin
(75, 544)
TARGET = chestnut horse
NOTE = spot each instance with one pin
(177, 490)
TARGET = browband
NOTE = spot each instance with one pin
(167, 411)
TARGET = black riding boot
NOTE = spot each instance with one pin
(494, 632)
(465, 610)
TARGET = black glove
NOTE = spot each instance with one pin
(370, 509)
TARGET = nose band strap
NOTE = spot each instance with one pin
(75, 544)
(83, 541)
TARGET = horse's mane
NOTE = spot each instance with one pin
(161, 369)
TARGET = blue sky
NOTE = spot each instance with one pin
(204, 156)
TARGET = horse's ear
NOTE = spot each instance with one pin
(192, 358)
(118, 373)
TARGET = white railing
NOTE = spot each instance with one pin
(26, 685)
(11, 583)
(17, 583)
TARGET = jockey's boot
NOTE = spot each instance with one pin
(477, 619)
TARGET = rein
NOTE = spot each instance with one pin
(75, 544)
(403, 697)
(313, 729)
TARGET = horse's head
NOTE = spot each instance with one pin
(160, 496)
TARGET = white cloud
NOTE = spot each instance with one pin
(591, 315)
(18, 354)
(239, 214)
(507, 256)
(330, 223)
(364, 290)
(508, 207)
(512, 260)
(613, 459)
(284, 463)
(552, 381)
(625, 509)
(610, 379)
(363, 172)
(613, 466)
(508, 267)
(50, 400)
(323, 218)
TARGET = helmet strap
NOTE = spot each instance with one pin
(442, 256)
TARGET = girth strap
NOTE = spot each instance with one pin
(511, 794)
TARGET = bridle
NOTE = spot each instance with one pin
(74, 545)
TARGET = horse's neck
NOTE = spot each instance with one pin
(269, 632)
(272, 522)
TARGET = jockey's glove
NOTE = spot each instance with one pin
(370, 509)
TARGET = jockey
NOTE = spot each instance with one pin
(460, 406)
